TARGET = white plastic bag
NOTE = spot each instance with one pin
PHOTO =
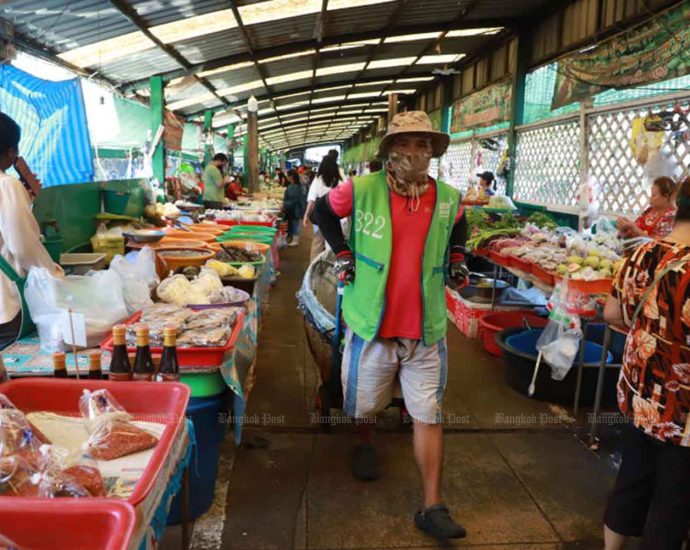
(559, 342)
(97, 295)
(138, 277)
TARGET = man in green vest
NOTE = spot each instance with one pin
(406, 242)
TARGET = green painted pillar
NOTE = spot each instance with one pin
(157, 118)
(208, 128)
(517, 107)
(447, 105)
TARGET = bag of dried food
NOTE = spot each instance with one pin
(112, 433)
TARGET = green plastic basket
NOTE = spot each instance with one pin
(204, 384)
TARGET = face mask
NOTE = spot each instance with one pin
(408, 171)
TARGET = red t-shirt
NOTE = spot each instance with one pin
(403, 315)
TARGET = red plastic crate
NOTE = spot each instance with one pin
(544, 276)
(191, 357)
(77, 524)
(148, 401)
(498, 258)
(519, 263)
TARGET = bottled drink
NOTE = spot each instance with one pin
(59, 364)
(120, 368)
(95, 372)
(143, 369)
(169, 370)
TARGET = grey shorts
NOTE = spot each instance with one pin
(370, 371)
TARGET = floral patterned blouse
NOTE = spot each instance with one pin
(656, 224)
(654, 384)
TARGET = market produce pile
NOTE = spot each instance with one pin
(203, 289)
(206, 328)
(557, 250)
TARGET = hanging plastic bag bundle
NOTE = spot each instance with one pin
(138, 277)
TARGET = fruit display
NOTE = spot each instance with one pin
(563, 252)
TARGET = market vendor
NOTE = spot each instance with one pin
(394, 266)
(487, 183)
(20, 243)
(234, 189)
(657, 220)
(215, 182)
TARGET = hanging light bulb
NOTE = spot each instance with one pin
(252, 105)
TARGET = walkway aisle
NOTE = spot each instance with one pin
(514, 475)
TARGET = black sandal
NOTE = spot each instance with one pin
(436, 521)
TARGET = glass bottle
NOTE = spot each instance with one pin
(120, 367)
(95, 372)
(144, 368)
(169, 370)
(59, 364)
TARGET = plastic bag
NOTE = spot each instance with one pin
(559, 341)
(97, 295)
(588, 201)
(18, 477)
(138, 278)
(18, 436)
(112, 434)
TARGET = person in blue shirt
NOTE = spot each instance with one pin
(487, 183)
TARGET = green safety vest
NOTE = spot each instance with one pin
(371, 241)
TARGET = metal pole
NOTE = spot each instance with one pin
(157, 120)
(253, 151)
(580, 367)
(600, 386)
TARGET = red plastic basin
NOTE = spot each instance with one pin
(78, 524)
(491, 324)
(192, 356)
(165, 403)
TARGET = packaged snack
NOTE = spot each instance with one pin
(18, 477)
(88, 477)
(112, 434)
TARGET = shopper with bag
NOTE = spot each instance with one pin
(651, 496)
(20, 239)
(405, 227)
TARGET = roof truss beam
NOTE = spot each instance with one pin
(313, 43)
(131, 14)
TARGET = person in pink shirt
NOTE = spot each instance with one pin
(407, 241)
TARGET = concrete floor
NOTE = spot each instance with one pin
(516, 474)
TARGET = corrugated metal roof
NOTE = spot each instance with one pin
(211, 46)
(64, 25)
(158, 12)
(359, 19)
(417, 13)
(289, 66)
(506, 8)
(132, 67)
(275, 33)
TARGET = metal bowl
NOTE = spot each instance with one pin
(145, 235)
(481, 290)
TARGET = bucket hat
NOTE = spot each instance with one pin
(414, 122)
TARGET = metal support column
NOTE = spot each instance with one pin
(447, 105)
(517, 106)
(392, 106)
(157, 120)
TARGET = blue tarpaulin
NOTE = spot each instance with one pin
(55, 135)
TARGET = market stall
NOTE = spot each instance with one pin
(204, 277)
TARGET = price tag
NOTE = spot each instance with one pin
(76, 327)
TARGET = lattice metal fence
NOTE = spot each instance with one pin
(457, 164)
(433, 168)
(625, 182)
(465, 159)
(547, 165)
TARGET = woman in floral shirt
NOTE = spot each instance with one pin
(657, 220)
(651, 497)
